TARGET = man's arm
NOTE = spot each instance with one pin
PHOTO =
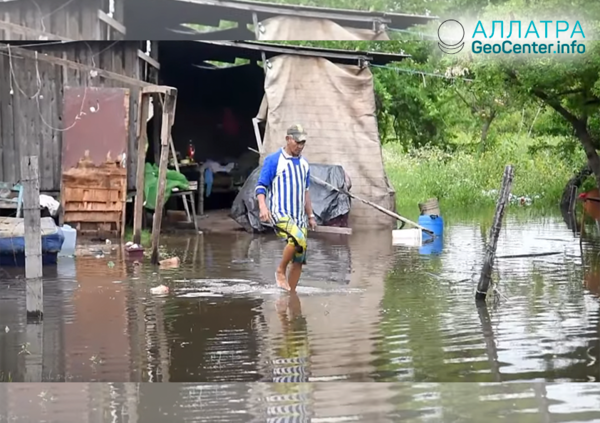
(265, 179)
(307, 203)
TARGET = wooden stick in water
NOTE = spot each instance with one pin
(488, 264)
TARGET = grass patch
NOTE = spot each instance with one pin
(462, 180)
(146, 238)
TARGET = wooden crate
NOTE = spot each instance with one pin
(94, 198)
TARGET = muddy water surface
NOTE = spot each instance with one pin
(365, 312)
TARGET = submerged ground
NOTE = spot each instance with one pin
(365, 312)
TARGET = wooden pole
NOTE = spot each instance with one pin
(141, 160)
(33, 238)
(201, 191)
(167, 120)
(486, 271)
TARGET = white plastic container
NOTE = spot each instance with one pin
(407, 237)
(68, 247)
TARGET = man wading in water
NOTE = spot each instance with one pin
(285, 176)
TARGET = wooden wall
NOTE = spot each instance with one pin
(74, 20)
(31, 107)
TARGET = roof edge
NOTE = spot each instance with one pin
(371, 56)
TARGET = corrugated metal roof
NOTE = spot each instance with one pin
(265, 10)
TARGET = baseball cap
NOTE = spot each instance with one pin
(297, 132)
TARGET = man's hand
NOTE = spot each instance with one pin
(265, 214)
(312, 223)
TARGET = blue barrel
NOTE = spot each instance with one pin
(436, 225)
(433, 223)
(433, 248)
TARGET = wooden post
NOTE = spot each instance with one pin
(572, 208)
(167, 120)
(34, 357)
(33, 237)
(141, 160)
(486, 271)
(201, 191)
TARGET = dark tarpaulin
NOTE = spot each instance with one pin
(327, 204)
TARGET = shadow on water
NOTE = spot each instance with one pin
(365, 312)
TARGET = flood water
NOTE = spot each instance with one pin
(402, 321)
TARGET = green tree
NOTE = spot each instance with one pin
(569, 86)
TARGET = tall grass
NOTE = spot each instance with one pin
(462, 180)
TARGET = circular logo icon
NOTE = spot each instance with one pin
(451, 34)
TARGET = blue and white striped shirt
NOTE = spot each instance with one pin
(286, 179)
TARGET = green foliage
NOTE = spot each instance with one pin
(463, 179)
(451, 136)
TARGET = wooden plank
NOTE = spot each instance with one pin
(73, 28)
(26, 53)
(333, 230)
(116, 206)
(111, 22)
(141, 160)
(148, 59)
(93, 217)
(33, 236)
(30, 33)
(131, 66)
(54, 114)
(43, 116)
(127, 105)
(20, 141)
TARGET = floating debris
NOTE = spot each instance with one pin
(159, 290)
(521, 200)
(169, 263)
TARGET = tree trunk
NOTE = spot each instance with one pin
(590, 150)
(486, 127)
(574, 182)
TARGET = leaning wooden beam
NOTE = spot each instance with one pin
(35, 55)
(488, 264)
(141, 159)
(30, 32)
(167, 121)
(146, 58)
(33, 238)
(185, 196)
(112, 22)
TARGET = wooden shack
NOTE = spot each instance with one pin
(62, 19)
(47, 90)
(171, 20)
(72, 103)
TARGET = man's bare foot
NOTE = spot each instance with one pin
(281, 280)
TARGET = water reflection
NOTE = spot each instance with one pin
(364, 312)
(321, 402)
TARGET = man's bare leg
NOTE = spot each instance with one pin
(288, 254)
(294, 276)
